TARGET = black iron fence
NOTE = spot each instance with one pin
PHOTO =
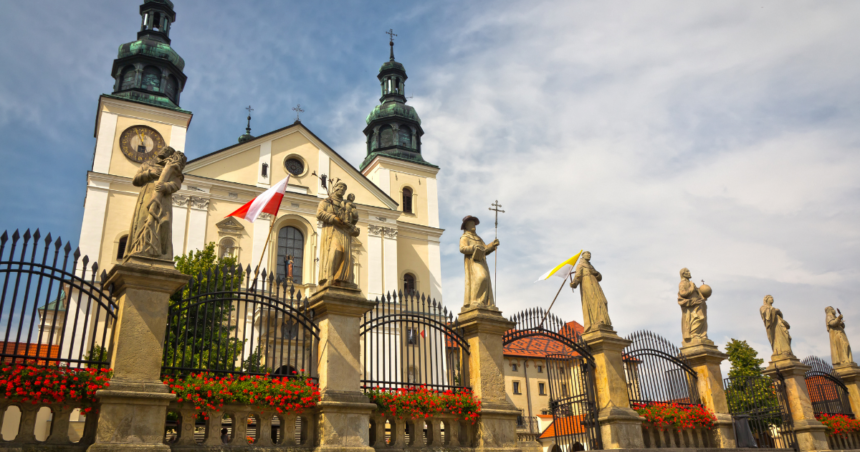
(827, 391)
(657, 372)
(53, 307)
(573, 403)
(411, 340)
(761, 413)
(536, 322)
(220, 322)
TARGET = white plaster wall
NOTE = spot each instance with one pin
(177, 137)
(384, 176)
(389, 264)
(374, 266)
(265, 157)
(196, 228)
(261, 231)
(435, 264)
(180, 224)
(92, 227)
(104, 142)
(432, 203)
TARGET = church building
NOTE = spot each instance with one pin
(395, 188)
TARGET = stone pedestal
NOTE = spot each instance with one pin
(134, 407)
(484, 327)
(850, 374)
(620, 426)
(706, 358)
(344, 410)
(811, 434)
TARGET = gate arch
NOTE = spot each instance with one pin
(826, 389)
(657, 372)
(528, 324)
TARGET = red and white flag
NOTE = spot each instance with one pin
(268, 202)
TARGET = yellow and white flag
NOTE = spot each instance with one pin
(562, 270)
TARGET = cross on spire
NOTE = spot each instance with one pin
(391, 36)
(298, 110)
(248, 129)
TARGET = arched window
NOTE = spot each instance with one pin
(151, 78)
(409, 283)
(404, 136)
(386, 136)
(172, 86)
(407, 200)
(128, 75)
(120, 250)
(228, 248)
(291, 246)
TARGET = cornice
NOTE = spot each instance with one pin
(135, 106)
(401, 164)
(420, 229)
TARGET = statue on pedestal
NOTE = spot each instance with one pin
(479, 290)
(694, 309)
(338, 220)
(840, 349)
(777, 328)
(150, 234)
(595, 310)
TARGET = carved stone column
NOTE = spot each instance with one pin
(620, 426)
(850, 374)
(811, 434)
(344, 410)
(134, 408)
(705, 358)
(484, 327)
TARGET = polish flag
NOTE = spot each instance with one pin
(268, 202)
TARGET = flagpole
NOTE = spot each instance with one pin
(553, 301)
(268, 238)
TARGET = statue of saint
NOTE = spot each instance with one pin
(150, 234)
(336, 238)
(479, 290)
(694, 310)
(595, 310)
(777, 328)
(840, 349)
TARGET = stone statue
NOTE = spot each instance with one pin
(777, 328)
(595, 310)
(479, 290)
(151, 232)
(840, 349)
(336, 239)
(694, 309)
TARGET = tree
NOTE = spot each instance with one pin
(748, 391)
(744, 359)
(199, 327)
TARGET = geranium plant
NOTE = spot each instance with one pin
(839, 424)
(209, 392)
(664, 416)
(420, 402)
(53, 384)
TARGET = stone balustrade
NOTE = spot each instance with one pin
(59, 432)
(849, 441)
(698, 438)
(247, 426)
(443, 430)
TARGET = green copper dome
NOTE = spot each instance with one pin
(389, 65)
(393, 110)
(151, 48)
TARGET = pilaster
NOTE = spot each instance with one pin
(134, 408)
(484, 327)
(344, 409)
(620, 425)
(705, 358)
(811, 434)
(850, 375)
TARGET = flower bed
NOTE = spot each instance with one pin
(839, 424)
(663, 416)
(210, 392)
(422, 403)
(53, 384)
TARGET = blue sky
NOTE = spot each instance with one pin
(718, 136)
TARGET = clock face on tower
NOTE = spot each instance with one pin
(138, 143)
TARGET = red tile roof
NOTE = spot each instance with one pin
(540, 346)
(30, 351)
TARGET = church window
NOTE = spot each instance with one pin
(265, 172)
(411, 337)
(386, 136)
(128, 75)
(151, 78)
(295, 166)
(171, 87)
(407, 200)
(291, 245)
(404, 136)
(409, 283)
(120, 250)
(228, 248)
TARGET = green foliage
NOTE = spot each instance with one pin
(254, 363)
(744, 359)
(97, 354)
(748, 390)
(204, 337)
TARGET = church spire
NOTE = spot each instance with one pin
(393, 128)
(149, 70)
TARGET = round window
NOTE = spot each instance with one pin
(295, 166)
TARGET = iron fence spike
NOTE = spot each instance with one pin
(27, 236)
(48, 239)
(36, 235)
(4, 237)
(85, 261)
(15, 236)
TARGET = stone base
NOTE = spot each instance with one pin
(343, 420)
(496, 428)
(620, 428)
(811, 435)
(145, 261)
(132, 417)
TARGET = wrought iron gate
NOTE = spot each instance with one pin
(760, 410)
(573, 402)
(657, 373)
(826, 389)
